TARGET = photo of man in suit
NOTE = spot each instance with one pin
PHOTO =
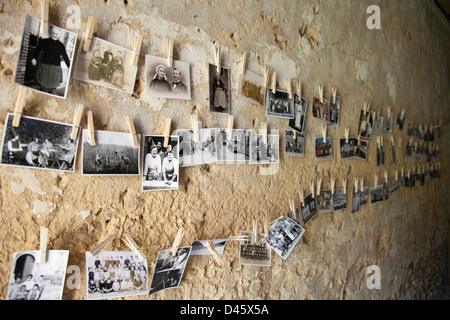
(177, 86)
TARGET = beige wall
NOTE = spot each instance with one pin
(404, 64)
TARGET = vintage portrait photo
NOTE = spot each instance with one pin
(106, 64)
(219, 90)
(378, 125)
(279, 105)
(361, 149)
(339, 200)
(161, 168)
(30, 280)
(376, 194)
(400, 121)
(294, 147)
(251, 88)
(112, 154)
(364, 196)
(169, 269)
(199, 247)
(347, 149)
(309, 208)
(255, 252)
(366, 123)
(284, 235)
(300, 107)
(164, 82)
(45, 60)
(320, 110)
(324, 201)
(262, 153)
(389, 124)
(38, 143)
(324, 149)
(113, 274)
(355, 200)
(335, 109)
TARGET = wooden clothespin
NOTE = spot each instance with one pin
(344, 183)
(43, 245)
(376, 179)
(402, 113)
(255, 231)
(366, 107)
(177, 241)
(409, 173)
(217, 58)
(381, 140)
(389, 111)
(385, 176)
(131, 129)
(324, 133)
(266, 227)
(244, 62)
(195, 127)
(319, 183)
(266, 76)
(359, 137)
(274, 82)
(378, 113)
(302, 197)
(167, 132)
(311, 186)
(294, 133)
(402, 172)
(392, 140)
(89, 33)
(347, 132)
(289, 87)
(396, 174)
(299, 89)
(102, 245)
(19, 106)
(44, 16)
(136, 49)
(361, 187)
(90, 123)
(263, 131)
(320, 92)
(76, 120)
(133, 246)
(411, 140)
(230, 127)
(333, 180)
(292, 206)
(334, 93)
(213, 251)
(356, 184)
(170, 52)
(400, 140)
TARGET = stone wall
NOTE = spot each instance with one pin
(405, 64)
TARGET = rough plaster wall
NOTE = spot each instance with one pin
(405, 64)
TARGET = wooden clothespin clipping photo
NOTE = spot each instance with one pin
(230, 127)
(389, 108)
(136, 49)
(19, 106)
(76, 121)
(366, 107)
(292, 206)
(333, 180)
(217, 58)
(243, 63)
(170, 52)
(43, 244)
(356, 184)
(347, 132)
(302, 197)
(344, 184)
(334, 93)
(361, 184)
(396, 174)
(177, 241)
(102, 245)
(213, 251)
(289, 87)
(311, 187)
(133, 246)
(266, 76)
(385, 176)
(376, 180)
(132, 130)
(44, 17)
(299, 90)
(90, 123)
(324, 133)
(274, 82)
(89, 33)
(167, 132)
(319, 184)
(320, 93)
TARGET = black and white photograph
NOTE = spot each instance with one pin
(379, 156)
(106, 64)
(339, 200)
(219, 90)
(400, 121)
(361, 149)
(262, 153)
(420, 134)
(366, 123)
(309, 208)
(234, 149)
(389, 124)
(255, 252)
(199, 247)
(321, 110)
(376, 194)
(30, 280)
(112, 154)
(38, 143)
(189, 150)
(294, 147)
(324, 201)
(45, 60)
(284, 235)
(208, 145)
(114, 274)
(279, 104)
(378, 126)
(356, 205)
(347, 149)
(162, 81)
(324, 149)
(393, 153)
(251, 88)
(300, 108)
(335, 110)
(169, 269)
(364, 196)
(393, 185)
(161, 167)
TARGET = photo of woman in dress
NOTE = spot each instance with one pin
(219, 84)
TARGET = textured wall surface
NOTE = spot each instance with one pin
(405, 64)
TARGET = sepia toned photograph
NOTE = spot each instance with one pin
(347, 149)
(112, 154)
(309, 208)
(161, 167)
(162, 81)
(114, 274)
(335, 109)
(376, 194)
(300, 108)
(255, 252)
(294, 147)
(364, 196)
(169, 269)
(199, 247)
(219, 90)
(320, 110)
(378, 125)
(366, 123)
(356, 205)
(389, 125)
(39, 144)
(262, 153)
(31, 280)
(251, 88)
(324, 149)
(361, 149)
(339, 200)
(107, 65)
(284, 235)
(279, 104)
(45, 60)
(324, 201)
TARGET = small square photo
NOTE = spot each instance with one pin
(279, 104)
